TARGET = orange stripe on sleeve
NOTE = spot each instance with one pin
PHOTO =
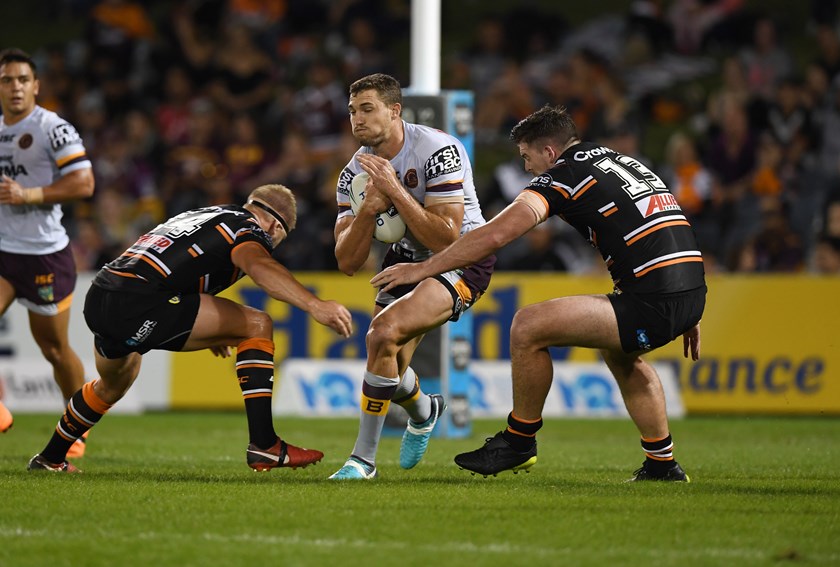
(542, 198)
(60, 162)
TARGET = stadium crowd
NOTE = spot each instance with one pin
(195, 102)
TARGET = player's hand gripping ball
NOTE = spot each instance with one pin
(389, 226)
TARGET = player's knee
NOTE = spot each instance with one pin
(53, 352)
(522, 331)
(382, 336)
(260, 324)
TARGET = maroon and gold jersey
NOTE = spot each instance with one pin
(189, 253)
(625, 210)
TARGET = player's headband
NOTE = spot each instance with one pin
(273, 213)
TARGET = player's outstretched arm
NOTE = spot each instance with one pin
(517, 219)
(279, 283)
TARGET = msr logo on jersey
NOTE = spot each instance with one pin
(657, 203)
(142, 333)
(445, 160)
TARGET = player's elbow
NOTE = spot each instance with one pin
(87, 190)
(85, 184)
(347, 268)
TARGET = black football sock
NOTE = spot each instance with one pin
(659, 454)
(84, 410)
(255, 370)
(521, 434)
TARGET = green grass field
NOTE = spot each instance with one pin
(173, 489)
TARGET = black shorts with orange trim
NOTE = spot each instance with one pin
(124, 322)
(649, 321)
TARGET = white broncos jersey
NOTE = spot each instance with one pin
(432, 165)
(35, 152)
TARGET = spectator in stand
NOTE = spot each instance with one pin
(734, 89)
(789, 123)
(487, 55)
(827, 255)
(692, 21)
(615, 114)
(829, 133)
(831, 216)
(732, 159)
(766, 61)
(188, 165)
(828, 44)
(243, 73)
(244, 155)
(193, 29)
(692, 183)
(363, 52)
(172, 113)
(320, 109)
(587, 72)
(509, 99)
(120, 36)
(775, 247)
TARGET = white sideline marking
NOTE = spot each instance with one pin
(453, 546)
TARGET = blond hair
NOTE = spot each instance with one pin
(280, 198)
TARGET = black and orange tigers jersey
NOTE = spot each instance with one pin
(625, 210)
(189, 253)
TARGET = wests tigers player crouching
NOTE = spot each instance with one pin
(160, 294)
(625, 211)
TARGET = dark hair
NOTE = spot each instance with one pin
(14, 55)
(550, 122)
(386, 86)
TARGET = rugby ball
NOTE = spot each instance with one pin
(389, 226)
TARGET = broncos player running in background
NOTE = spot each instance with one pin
(44, 164)
(161, 294)
(625, 211)
(426, 174)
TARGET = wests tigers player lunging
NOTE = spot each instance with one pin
(625, 211)
(161, 294)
